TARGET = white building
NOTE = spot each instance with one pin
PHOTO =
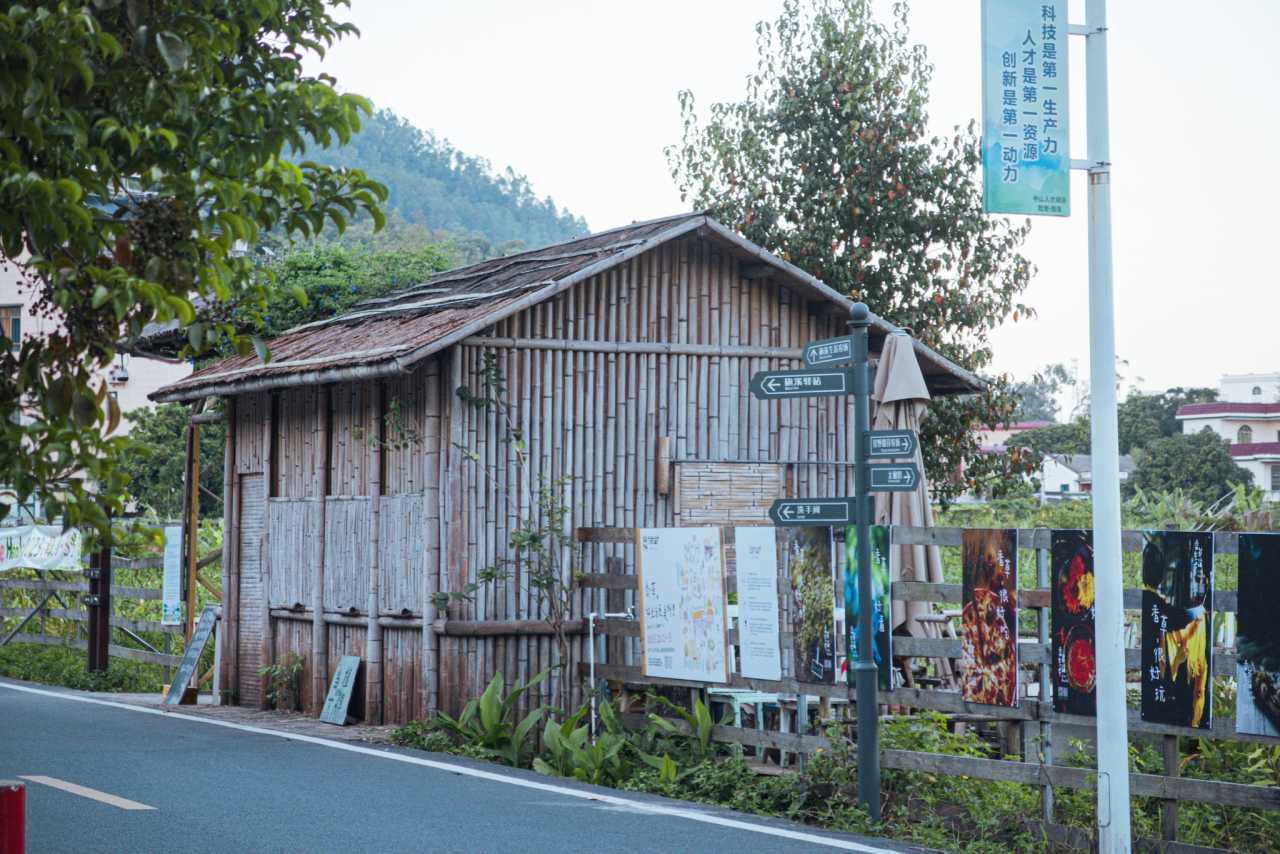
(1068, 476)
(130, 379)
(1247, 415)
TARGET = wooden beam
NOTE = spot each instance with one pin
(319, 632)
(373, 637)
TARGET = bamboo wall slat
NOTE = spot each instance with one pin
(295, 550)
(346, 555)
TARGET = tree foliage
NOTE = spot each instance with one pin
(828, 162)
(1198, 464)
(1038, 396)
(450, 194)
(142, 141)
(155, 460)
(1142, 418)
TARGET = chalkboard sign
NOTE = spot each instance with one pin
(191, 657)
(339, 698)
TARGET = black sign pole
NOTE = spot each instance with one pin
(864, 669)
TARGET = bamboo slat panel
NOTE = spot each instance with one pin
(403, 553)
(294, 545)
(289, 638)
(402, 675)
(251, 597)
(346, 555)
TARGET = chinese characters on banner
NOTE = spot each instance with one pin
(1258, 640)
(683, 630)
(1071, 624)
(33, 547)
(755, 550)
(880, 609)
(1025, 145)
(811, 570)
(989, 618)
(171, 585)
(1177, 616)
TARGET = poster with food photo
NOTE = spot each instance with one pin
(880, 609)
(1071, 623)
(1258, 636)
(1177, 615)
(811, 570)
(989, 619)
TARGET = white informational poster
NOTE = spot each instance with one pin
(41, 547)
(759, 634)
(683, 629)
(171, 607)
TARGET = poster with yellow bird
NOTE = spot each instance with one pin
(1177, 618)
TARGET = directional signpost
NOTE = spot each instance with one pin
(892, 444)
(894, 477)
(854, 377)
(811, 511)
(769, 385)
(833, 351)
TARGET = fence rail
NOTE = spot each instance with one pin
(619, 584)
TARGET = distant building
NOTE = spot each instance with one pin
(995, 439)
(1247, 415)
(129, 380)
(1068, 476)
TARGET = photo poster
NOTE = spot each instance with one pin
(683, 624)
(989, 617)
(810, 556)
(1258, 636)
(1071, 623)
(755, 549)
(881, 611)
(171, 602)
(1177, 617)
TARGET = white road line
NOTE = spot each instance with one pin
(86, 792)
(466, 771)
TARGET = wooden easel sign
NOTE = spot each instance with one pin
(339, 696)
(187, 669)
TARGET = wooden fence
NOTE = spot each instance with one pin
(610, 551)
(58, 615)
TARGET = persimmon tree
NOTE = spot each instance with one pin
(829, 162)
(144, 144)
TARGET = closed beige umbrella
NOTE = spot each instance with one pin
(900, 401)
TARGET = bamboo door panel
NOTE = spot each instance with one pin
(252, 492)
(294, 545)
(403, 553)
(346, 555)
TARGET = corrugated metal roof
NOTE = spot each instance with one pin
(390, 334)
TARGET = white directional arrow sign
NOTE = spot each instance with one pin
(894, 477)
(790, 512)
(775, 384)
(891, 444)
(832, 351)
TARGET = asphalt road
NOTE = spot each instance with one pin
(222, 788)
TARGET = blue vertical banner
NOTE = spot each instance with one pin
(1026, 160)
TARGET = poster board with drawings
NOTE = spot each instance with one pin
(683, 620)
(759, 626)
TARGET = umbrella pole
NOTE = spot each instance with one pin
(864, 669)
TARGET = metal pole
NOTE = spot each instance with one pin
(864, 669)
(1113, 730)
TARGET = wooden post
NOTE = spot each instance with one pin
(319, 632)
(1169, 807)
(192, 525)
(373, 641)
(264, 547)
(99, 602)
(229, 637)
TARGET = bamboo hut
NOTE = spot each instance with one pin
(362, 488)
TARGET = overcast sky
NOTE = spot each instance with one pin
(581, 97)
